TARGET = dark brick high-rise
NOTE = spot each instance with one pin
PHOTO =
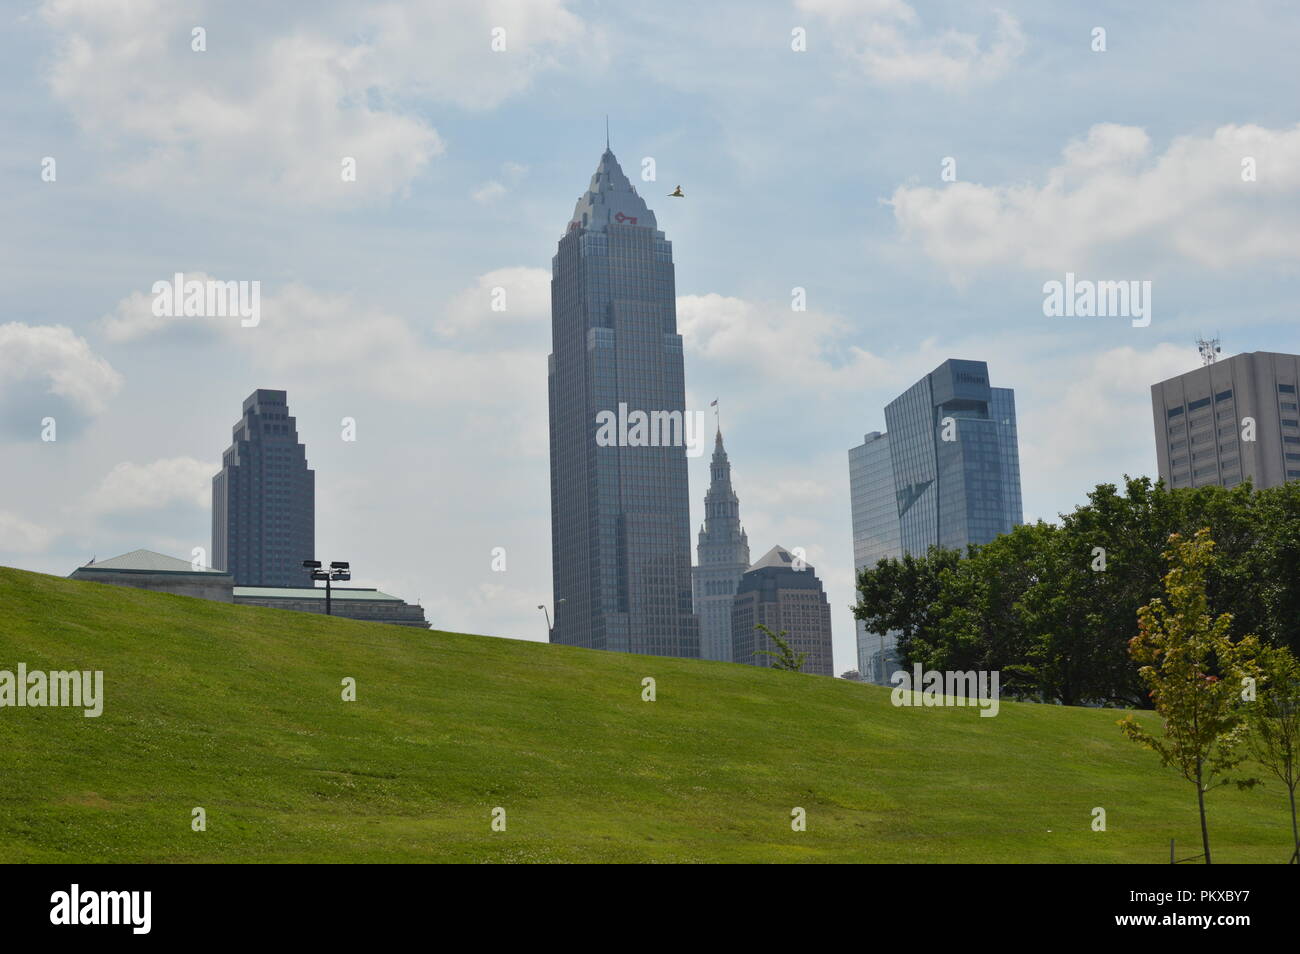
(264, 498)
(784, 595)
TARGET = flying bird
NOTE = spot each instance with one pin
(677, 193)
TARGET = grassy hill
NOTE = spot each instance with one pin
(238, 710)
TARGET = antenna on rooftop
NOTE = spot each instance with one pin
(1209, 348)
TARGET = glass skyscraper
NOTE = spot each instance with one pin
(875, 537)
(264, 498)
(620, 515)
(946, 473)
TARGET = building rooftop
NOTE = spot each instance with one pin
(775, 571)
(778, 556)
(148, 561)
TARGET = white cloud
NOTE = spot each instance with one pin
(1090, 413)
(157, 484)
(133, 317)
(783, 351)
(462, 68)
(22, 536)
(345, 345)
(492, 190)
(274, 111)
(527, 300)
(1110, 197)
(779, 492)
(59, 363)
(488, 192)
(886, 39)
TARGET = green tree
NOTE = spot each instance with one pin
(1274, 720)
(1273, 584)
(979, 615)
(784, 657)
(1063, 656)
(1053, 607)
(1178, 647)
(1109, 564)
(897, 595)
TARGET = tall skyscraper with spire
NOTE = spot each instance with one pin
(723, 553)
(264, 498)
(620, 515)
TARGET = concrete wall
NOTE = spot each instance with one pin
(374, 611)
(204, 586)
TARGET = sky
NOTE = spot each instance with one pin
(811, 139)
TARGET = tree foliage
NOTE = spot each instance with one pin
(1195, 674)
(1053, 606)
(1274, 719)
(784, 657)
(899, 594)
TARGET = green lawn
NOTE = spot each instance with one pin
(238, 710)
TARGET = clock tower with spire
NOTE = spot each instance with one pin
(723, 552)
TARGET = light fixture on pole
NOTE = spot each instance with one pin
(338, 570)
(549, 628)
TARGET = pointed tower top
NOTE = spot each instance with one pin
(720, 452)
(780, 557)
(611, 198)
(777, 556)
(607, 132)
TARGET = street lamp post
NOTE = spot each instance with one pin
(550, 630)
(338, 570)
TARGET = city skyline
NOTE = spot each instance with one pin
(378, 295)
